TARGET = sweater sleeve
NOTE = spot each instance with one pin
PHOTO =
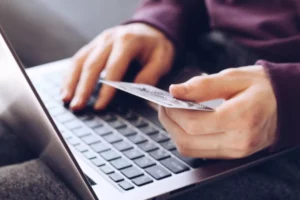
(175, 18)
(285, 80)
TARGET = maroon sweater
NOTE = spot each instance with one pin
(270, 27)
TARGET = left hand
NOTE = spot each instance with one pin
(244, 124)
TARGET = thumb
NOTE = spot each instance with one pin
(205, 88)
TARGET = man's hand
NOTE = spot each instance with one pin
(113, 50)
(244, 124)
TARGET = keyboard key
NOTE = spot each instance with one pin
(131, 172)
(65, 117)
(159, 154)
(133, 154)
(46, 98)
(122, 110)
(54, 92)
(60, 127)
(53, 107)
(116, 177)
(85, 117)
(56, 79)
(89, 155)
(142, 180)
(130, 116)
(73, 141)
(169, 145)
(57, 97)
(80, 132)
(148, 130)
(108, 117)
(93, 123)
(81, 148)
(120, 163)
(137, 139)
(144, 162)
(122, 146)
(103, 130)
(112, 138)
(159, 137)
(109, 155)
(72, 124)
(127, 131)
(117, 124)
(106, 169)
(174, 165)
(148, 146)
(90, 139)
(157, 172)
(56, 111)
(46, 85)
(66, 135)
(126, 185)
(100, 147)
(98, 162)
(139, 122)
(193, 162)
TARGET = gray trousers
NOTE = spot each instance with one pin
(23, 176)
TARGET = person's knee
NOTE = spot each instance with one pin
(32, 180)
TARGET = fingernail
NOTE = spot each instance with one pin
(75, 103)
(64, 95)
(178, 89)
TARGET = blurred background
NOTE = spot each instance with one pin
(42, 31)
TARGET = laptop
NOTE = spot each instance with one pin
(121, 153)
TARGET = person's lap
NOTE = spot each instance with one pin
(22, 176)
(278, 179)
(32, 180)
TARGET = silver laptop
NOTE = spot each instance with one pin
(122, 153)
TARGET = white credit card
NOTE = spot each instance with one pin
(162, 97)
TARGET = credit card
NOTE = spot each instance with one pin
(162, 97)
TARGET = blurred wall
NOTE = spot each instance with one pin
(93, 16)
(46, 30)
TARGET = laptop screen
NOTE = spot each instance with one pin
(23, 112)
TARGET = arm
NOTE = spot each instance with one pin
(180, 20)
(285, 79)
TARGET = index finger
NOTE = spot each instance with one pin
(72, 78)
(116, 68)
(92, 67)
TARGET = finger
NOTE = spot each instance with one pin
(159, 65)
(116, 66)
(198, 122)
(204, 88)
(150, 74)
(92, 67)
(206, 146)
(73, 76)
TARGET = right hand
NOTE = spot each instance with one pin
(113, 50)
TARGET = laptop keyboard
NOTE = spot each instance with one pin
(121, 144)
